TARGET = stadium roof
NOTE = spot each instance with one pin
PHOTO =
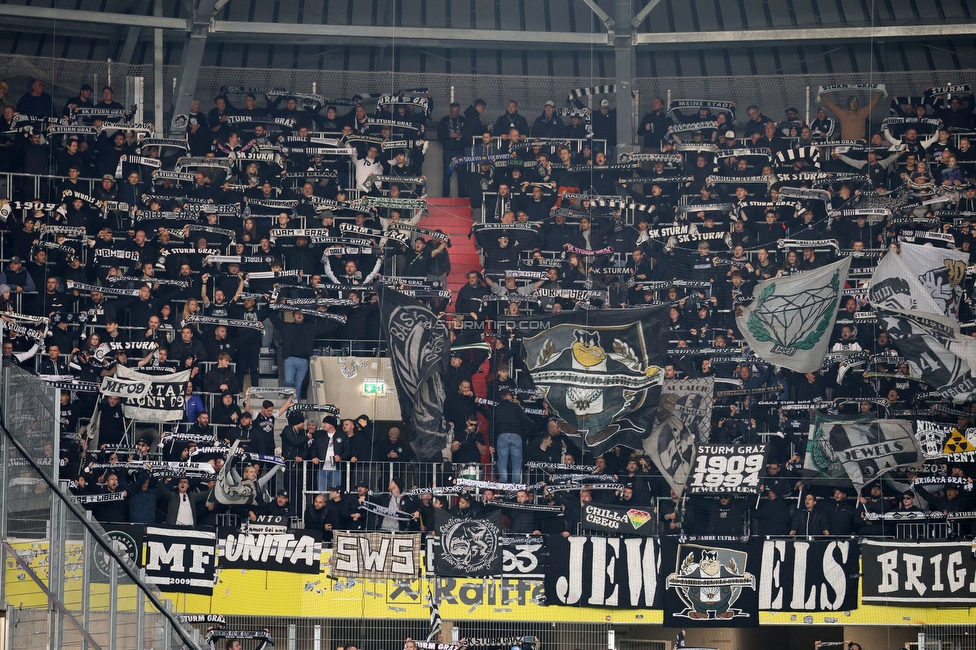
(538, 37)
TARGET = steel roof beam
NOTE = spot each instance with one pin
(748, 36)
(431, 36)
(98, 17)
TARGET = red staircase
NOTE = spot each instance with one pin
(453, 216)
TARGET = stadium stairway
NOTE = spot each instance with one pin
(453, 216)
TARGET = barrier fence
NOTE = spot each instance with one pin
(88, 594)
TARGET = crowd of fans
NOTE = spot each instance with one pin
(121, 269)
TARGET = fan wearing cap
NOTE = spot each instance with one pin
(325, 452)
(394, 500)
(548, 125)
(791, 126)
(278, 507)
(16, 277)
(339, 511)
(604, 122)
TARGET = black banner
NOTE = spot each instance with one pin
(127, 540)
(727, 468)
(619, 520)
(523, 556)
(602, 375)
(710, 584)
(803, 576)
(603, 572)
(918, 573)
(179, 559)
(468, 547)
(272, 551)
(419, 351)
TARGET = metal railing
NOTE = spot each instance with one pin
(55, 594)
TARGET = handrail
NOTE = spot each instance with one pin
(124, 563)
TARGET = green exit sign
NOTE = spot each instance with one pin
(374, 388)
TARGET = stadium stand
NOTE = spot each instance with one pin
(197, 300)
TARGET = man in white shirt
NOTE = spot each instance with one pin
(182, 507)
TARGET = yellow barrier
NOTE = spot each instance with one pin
(271, 593)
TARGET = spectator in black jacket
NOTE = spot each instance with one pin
(276, 508)
(392, 449)
(339, 513)
(187, 347)
(842, 516)
(468, 444)
(294, 442)
(725, 518)
(523, 521)
(510, 120)
(548, 125)
(810, 520)
(36, 102)
(450, 132)
(774, 515)
(508, 423)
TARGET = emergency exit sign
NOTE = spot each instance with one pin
(375, 388)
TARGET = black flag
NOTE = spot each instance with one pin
(601, 372)
(419, 351)
(468, 547)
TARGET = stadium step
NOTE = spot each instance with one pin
(453, 216)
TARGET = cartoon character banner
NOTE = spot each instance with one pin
(601, 373)
(711, 584)
(683, 419)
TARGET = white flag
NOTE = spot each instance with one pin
(923, 278)
(791, 318)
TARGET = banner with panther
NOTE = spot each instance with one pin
(468, 547)
(601, 373)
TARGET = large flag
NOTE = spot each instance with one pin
(933, 343)
(790, 318)
(684, 421)
(149, 398)
(921, 278)
(419, 350)
(862, 448)
(601, 372)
